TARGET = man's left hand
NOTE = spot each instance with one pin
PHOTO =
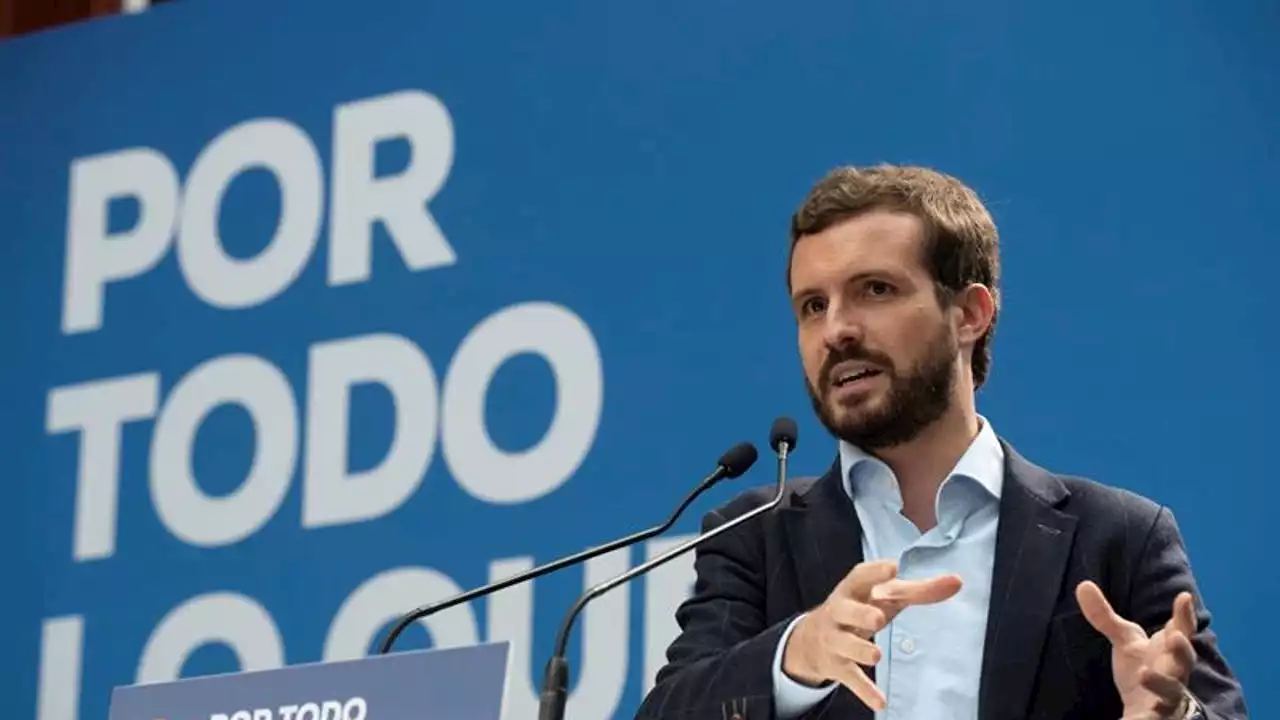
(1151, 673)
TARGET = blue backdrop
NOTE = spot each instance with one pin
(313, 311)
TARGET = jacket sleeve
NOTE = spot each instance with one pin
(721, 663)
(1163, 572)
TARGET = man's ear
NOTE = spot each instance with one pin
(975, 309)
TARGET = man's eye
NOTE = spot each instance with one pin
(813, 306)
(879, 287)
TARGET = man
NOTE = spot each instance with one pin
(932, 573)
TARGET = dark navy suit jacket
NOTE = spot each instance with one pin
(1042, 660)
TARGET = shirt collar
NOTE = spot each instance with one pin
(982, 462)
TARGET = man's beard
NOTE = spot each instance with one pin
(914, 401)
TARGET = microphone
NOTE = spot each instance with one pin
(782, 438)
(734, 462)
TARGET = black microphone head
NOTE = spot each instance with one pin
(783, 430)
(738, 459)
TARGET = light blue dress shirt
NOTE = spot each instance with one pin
(931, 664)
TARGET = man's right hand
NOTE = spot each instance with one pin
(837, 638)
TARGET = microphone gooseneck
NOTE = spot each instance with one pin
(733, 463)
(555, 683)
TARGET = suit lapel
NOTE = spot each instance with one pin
(1033, 545)
(825, 539)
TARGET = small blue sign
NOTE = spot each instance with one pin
(457, 684)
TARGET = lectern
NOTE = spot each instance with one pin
(447, 684)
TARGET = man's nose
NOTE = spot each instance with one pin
(842, 327)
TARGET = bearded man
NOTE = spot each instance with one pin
(932, 573)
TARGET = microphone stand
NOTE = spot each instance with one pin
(556, 678)
(732, 464)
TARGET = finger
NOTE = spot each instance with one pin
(917, 592)
(1168, 691)
(864, 576)
(861, 618)
(1178, 658)
(850, 647)
(1103, 618)
(1184, 614)
(852, 677)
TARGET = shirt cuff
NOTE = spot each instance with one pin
(791, 698)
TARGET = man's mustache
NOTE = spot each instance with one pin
(847, 352)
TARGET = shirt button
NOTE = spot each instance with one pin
(908, 646)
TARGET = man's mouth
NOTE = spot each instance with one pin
(851, 376)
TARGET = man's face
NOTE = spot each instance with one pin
(879, 351)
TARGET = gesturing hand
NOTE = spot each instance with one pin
(832, 642)
(1151, 673)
